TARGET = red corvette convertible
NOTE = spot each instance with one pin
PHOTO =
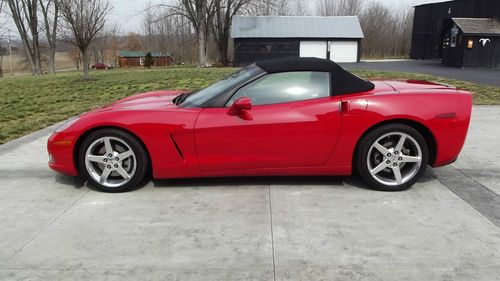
(292, 116)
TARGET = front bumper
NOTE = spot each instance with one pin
(61, 157)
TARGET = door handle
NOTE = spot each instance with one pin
(354, 106)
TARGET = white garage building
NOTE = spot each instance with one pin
(265, 37)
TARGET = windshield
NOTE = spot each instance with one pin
(197, 99)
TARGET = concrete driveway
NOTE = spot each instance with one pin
(478, 75)
(321, 228)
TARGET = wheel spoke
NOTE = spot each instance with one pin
(104, 159)
(125, 155)
(104, 175)
(401, 142)
(96, 158)
(379, 168)
(107, 145)
(381, 148)
(123, 173)
(397, 174)
(411, 159)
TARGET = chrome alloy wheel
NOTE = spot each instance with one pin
(110, 161)
(394, 159)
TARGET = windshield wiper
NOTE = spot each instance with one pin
(177, 98)
(180, 98)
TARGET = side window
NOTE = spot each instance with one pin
(285, 87)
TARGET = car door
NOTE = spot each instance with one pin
(293, 122)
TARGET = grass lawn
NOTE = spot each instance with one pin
(30, 103)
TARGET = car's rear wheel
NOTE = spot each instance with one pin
(113, 160)
(392, 157)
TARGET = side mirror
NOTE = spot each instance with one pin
(240, 105)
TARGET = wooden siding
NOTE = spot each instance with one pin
(430, 22)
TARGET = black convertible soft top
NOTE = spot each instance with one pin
(343, 82)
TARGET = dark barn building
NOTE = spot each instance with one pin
(267, 37)
(434, 22)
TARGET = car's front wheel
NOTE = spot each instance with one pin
(392, 157)
(113, 160)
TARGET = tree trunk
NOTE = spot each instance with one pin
(223, 49)
(85, 64)
(52, 61)
(202, 55)
(202, 33)
(36, 46)
(29, 55)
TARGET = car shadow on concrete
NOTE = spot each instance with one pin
(245, 181)
(76, 182)
(333, 181)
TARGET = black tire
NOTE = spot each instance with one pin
(369, 139)
(141, 157)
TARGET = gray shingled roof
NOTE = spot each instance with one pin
(139, 54)
(295, 27)
(478, 26)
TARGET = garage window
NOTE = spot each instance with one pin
(285, 47)
(265, 48)
(246, 47)
(286, 87)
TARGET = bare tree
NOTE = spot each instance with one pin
(149, 18)
(84, 19)
(114, 45)
(3, 51)
(24, 13)
(270, 8)
(75, 56)
(224, 12)
(200, 14)
(176, 36)
(133, 42)
(300, 8)
(387, 32)
(339, 7)
(50, 13)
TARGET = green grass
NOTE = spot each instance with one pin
(30, 103)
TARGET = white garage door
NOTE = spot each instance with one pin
(315, 49)
(344, 51)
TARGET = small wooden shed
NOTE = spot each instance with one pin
(472, 42)
(136, 58)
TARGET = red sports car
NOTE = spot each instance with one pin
(293, 116)
(100, 66)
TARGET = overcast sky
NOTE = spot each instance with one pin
(126, 13)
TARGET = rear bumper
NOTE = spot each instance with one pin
(451, 133)
(60, 147)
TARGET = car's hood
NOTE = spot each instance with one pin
(146, 101)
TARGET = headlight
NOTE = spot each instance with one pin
(67, 124)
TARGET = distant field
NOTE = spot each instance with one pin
(30, 103)
(20, 66)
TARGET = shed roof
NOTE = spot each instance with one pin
(140, 54)
(434, 3)
(478, 26)
(295, 27)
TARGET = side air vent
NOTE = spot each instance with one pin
(176, 146)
